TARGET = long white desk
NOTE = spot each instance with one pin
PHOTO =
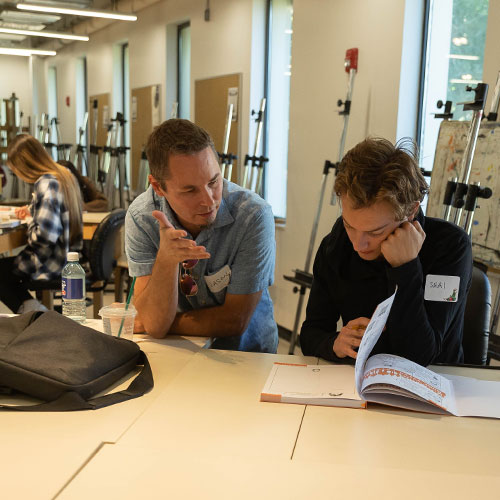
(403, 440)
(208, 436)
(120, 472)
(203, 433)
(42, 451)
(214, 408)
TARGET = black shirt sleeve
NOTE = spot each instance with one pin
(318, 331)
(429, 331)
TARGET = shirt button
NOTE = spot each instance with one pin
(203, 302)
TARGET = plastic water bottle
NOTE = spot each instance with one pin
(73, 289)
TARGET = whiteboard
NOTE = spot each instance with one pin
(450, 148)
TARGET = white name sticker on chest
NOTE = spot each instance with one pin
(441, 288)
(219, 280)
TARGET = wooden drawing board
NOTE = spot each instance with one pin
(145, 115)
(450, 148)
(211, 101)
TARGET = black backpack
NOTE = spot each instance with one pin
(65, 364)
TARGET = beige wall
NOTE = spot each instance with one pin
(221, 46)
(15, 77)
(322, 32)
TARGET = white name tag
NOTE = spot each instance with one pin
(441, 288)
(219, 280)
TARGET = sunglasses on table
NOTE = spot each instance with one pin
(186, 281)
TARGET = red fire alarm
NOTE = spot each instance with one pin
(67, 101)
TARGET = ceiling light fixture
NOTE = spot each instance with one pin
(46, 34)
(464, 57)
(26, 52)
(77, 12)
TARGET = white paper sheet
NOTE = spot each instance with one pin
(311, 381)
(370, 337)
(476, 398)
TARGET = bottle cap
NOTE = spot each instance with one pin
(73, 256)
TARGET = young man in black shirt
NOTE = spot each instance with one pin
(382, 240)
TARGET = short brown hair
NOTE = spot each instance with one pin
(175, 137)
(376, 170)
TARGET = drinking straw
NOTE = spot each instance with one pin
(130, 293)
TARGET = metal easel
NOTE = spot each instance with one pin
(461, 197)
(63, 149)
(254, 165)
(143, 177)
(93, 163)
(226, 158)
(114, 163)
(80, 160)
(495, 312)
(45, 133)
(304, 278)
(107, 174)
(123, 183)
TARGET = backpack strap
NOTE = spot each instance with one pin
(71, 401)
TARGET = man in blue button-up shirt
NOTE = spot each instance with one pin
(202, 248)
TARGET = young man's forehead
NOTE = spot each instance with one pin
(192, 169)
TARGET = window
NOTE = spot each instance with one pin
(52, 93)
(121, 96)
(81, 97)
(277, 92)
(52, 112)
(126, 105)
(184, 70)
(454, 60)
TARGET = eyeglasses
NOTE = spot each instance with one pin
(186, 281)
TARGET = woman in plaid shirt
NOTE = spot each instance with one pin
(56, 226)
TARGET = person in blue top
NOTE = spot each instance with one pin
(202, 248)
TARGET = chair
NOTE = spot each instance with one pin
(121, 272)
(477, 319)
(102, 255)
(44, 290)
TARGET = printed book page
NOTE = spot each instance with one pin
(383, 370)
(370, 337)
(476, 398)
(311, 382)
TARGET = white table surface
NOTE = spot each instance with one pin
(94, 217)
(42, 451)
(203, 433)
(403, 440)
(128, 473)
(213, 406)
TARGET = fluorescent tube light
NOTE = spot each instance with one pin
(26, 52)
(465, 58)
(467, 81)
(46, 34)
(77, 12)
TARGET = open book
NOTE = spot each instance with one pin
(382, 378)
